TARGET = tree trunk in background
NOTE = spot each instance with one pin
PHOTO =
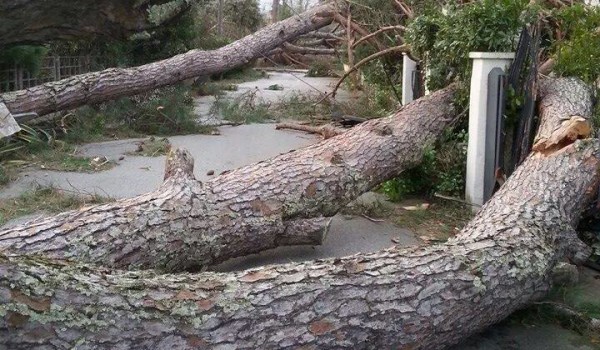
(116, 82)
(410, 298)
(220, 18)
(275, 11)
(286, 200)
(37, 22)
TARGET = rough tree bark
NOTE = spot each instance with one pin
(565, 112)
(285, 200)
(404, 298)
(37, 22)
(115, 82)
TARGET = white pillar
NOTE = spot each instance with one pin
(427, 80)
(483, 63)
(409, 67)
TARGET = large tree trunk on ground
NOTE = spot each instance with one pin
(405, 298)
(285, 200)
(37, 22)
(116, 82)
(411, 298)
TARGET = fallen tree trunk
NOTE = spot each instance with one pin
(304, 50)
(116, 82)
(411, 298)
(407, 298)
(326, 131)
(282, 201)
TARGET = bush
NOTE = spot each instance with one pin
(442, 170)
(578, 53)
(444, 37)
(166, 111)
(320, 69)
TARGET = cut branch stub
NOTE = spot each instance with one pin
(565, 110)
(179, 163)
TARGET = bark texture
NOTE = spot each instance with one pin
(412, 298)
(35, 21)
(116, 82)
(285, 200)
(403, 298)
(326, 131)
(564, 111)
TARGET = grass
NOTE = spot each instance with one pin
(62, 160)
(243, 109)
(152, 147)
(431, 219)
(44, 199)
(36, 147)
(440, 221)
(52, 145)
(228, 81)
(247, 108)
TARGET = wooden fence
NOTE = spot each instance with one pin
(53, 68)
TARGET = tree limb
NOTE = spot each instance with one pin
(401, 48)
(116, 82)
(377, 32)
(282, 201)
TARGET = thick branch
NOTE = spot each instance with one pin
(303, 50)
(565, 112)
(357, 28)
(412, 298)
(187, 223)
(366, 60)
(326, 131)
(377, 32)
(116, 82)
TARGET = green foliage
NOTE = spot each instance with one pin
(194, 29)
(152, 147)
(320, 69)
(445, 36)
(40, 148)
(243, 109)
(27, 56)
(578, 53)
(165, 111)
(47, 199)
(441, 171)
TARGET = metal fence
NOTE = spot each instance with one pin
(53, 68)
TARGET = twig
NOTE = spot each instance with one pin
(458, 200)
(366, 60)
(371, 219)
(377, 32)
(357, 28)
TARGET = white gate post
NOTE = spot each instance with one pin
(483, 64)
(409, 67)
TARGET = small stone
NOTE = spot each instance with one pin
(395, 240)
(121, 157)
(210, 173)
